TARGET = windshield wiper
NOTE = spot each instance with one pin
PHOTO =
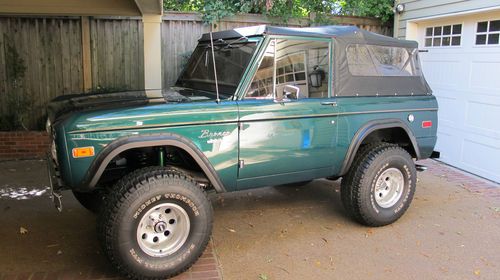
(223, 44)
(230, 44)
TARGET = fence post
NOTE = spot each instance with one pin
(312, 19)
(86, 61)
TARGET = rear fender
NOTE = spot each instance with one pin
(370, 127)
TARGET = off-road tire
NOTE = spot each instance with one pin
(92, 201)
(359, 184)
(131, 199)
(346, 182)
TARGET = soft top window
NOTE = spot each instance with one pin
(373, 60)
(231, 60)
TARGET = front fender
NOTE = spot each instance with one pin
(122, 144)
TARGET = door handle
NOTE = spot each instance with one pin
(331, 103)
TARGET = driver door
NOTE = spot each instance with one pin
(286, 122)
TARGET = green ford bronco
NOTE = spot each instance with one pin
(254, 107)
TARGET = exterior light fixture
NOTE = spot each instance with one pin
(400, 8)
(316, 77)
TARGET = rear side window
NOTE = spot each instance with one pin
(372, 60)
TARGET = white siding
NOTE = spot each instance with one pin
(417, 9)
(466, 83)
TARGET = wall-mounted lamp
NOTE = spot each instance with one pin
(316, 76)
(399, 8)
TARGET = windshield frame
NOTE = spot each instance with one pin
(257, 40)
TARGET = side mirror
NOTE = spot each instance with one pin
(289, 92)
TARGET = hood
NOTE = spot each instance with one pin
(63, 106)
(138, 110)
(66, 104)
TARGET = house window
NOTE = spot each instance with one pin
(291, 69)
(443, 36)
(488, 32)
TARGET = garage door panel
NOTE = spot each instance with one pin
(485, 76)
(438, 72)
(460, 130)
(483, 116)
(466, 82)
(475, 155)
(473, 152)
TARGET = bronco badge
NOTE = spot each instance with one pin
(205, 133)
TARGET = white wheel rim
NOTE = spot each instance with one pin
(389, 187)
(163, 230)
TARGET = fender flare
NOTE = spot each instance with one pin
(122, 144)
(366, 130)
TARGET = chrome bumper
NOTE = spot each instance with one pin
(55, 182)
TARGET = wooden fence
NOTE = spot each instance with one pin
(181, 31)
(116, 51)
(47, 49)
(64, 55)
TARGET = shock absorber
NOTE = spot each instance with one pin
(161, 156)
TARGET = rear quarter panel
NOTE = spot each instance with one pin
(355, 112)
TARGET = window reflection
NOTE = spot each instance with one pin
(291, 67)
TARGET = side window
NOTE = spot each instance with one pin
(262, 83)
(372, 60)
(360, 61)
(293, 69)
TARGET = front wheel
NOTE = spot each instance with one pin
(380, 185)
(156, 223)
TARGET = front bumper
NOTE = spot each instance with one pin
(55, 182)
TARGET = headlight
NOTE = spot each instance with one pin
(48, 126)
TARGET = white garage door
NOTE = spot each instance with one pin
(462, 66)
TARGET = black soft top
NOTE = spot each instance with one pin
(345, 38)
(345, 33)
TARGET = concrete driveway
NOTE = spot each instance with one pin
(451, 231)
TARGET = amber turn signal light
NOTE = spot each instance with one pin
(83, 152)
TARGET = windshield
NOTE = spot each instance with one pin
(231, 60)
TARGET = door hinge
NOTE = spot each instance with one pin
(241, 163)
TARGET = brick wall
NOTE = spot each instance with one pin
(23, 144)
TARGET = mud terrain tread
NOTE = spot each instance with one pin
(128, 186)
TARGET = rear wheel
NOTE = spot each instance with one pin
(380, 185)
(156, 223)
